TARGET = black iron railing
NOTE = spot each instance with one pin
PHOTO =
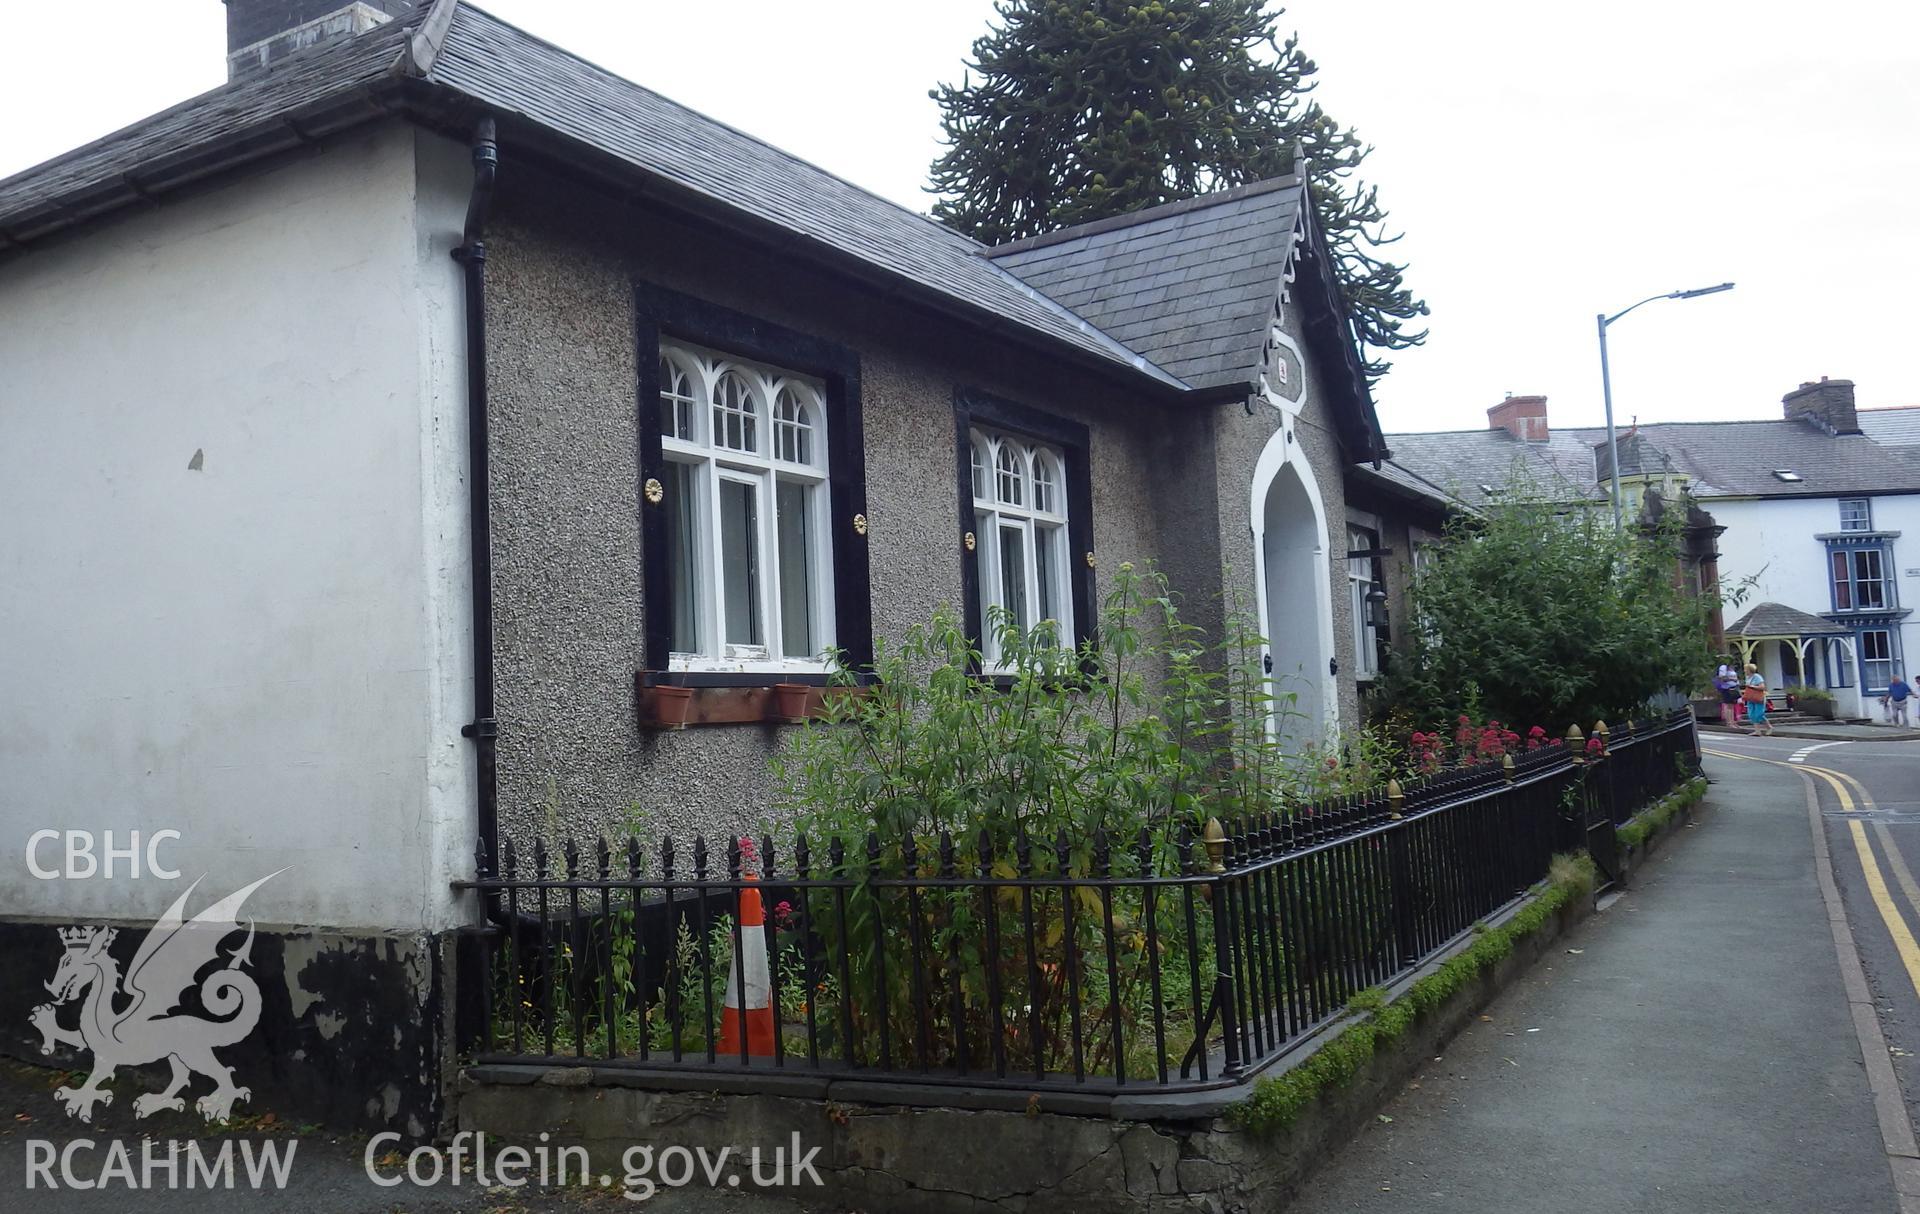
(1178, 958)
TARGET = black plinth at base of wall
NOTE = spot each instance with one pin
(351, 1032)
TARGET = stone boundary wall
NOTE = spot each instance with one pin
(950, 1160)
(1149, 1153)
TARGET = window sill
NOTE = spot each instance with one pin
(675, 700)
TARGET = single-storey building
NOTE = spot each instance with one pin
(407, 433)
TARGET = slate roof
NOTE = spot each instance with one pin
(1779, 620)
(311, 94)
(480, 59)
(509, 71)
(1410, 485)
(1192, 285)
(1723, 459)
(1895, 426)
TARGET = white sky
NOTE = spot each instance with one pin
(1547, 161)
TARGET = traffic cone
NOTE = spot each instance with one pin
(757, 1006)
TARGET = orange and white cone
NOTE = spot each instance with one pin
(756, 1007)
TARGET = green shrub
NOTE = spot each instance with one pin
(1065, 764)
(1644, 824)
(1542, 613)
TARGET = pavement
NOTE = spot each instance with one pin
(1836, 732)
(1693, 1048)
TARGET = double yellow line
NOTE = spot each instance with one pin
(1845, 787)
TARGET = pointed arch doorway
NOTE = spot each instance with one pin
(1292, 582)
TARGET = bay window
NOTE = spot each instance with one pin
(746, 501)
(1859, 580)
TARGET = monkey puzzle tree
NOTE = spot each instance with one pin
(1082, 109)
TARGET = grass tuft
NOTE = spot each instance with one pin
(1644, 825)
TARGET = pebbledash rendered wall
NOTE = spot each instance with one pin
(235, 601)
(569, 606)
(569, 611)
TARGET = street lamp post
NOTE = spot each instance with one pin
(1606, 383)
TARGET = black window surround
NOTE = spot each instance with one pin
(662, 313)
(974, 408)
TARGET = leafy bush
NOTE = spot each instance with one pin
(1534, 612)
(1150, 727)
(1064, 767)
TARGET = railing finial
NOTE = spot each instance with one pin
(1215, 837)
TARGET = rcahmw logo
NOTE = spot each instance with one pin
(161, 1164)
(138, 1019)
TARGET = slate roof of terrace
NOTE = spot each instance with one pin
(1893, 425)
(1722, 459)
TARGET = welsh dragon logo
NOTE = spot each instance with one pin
(139, 1020)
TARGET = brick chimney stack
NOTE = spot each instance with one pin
(260, 33)
(1524, 417)
(1827, 404)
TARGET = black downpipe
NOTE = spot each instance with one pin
(472, 256)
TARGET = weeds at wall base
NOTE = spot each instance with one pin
(1645, 825)
(1278, 1100)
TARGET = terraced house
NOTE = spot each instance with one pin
(1807, 513)
(429, 437)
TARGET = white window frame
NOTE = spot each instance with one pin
(1366, 646)
(993, 511)
(1865, 517)
(1882, 590)
(763, 471)
(1867, 679)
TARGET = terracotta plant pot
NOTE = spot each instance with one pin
(790, 701)
(670, 706)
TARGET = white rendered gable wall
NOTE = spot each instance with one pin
(235, 592)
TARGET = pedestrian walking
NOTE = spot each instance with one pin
(1898, 694)
(1755, 695)
(1727, 683)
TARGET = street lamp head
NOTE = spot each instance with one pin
(1698, 291)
